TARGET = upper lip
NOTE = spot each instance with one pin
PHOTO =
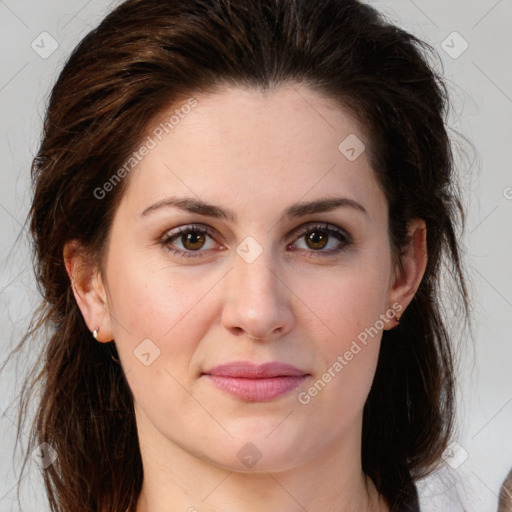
(255, 371)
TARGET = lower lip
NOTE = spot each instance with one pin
(257, 390)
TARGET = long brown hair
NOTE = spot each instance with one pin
(148, 55)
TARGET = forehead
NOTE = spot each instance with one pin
(264, 147)
(281, 118)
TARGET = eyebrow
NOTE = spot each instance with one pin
(193, 205)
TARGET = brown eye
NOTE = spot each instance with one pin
(317, 239)
(193, 240)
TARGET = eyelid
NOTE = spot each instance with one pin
(312, 225)
(186, 228)
(300, 230)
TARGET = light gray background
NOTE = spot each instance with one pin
(480, 82)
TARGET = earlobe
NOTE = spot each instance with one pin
(88, 290)
(409, 272)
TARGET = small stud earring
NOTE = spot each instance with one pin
(397, 319)
(95, 333)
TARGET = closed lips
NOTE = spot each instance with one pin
(256, 383)
(253, 371)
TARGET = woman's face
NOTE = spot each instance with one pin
(191, 288)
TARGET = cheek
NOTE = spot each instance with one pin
(151, 301)
(150, 296)
(159, 318)
(348, 300)
(351, 307)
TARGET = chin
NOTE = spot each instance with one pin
(256, 452)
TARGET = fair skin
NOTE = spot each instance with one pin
(297, 302)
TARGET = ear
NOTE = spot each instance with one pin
(411, 268)
(88, 289)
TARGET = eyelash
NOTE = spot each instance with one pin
(327, 228)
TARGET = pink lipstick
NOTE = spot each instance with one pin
(256, 383)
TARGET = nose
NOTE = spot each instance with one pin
(257, 303)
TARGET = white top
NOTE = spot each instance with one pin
(441, 491)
